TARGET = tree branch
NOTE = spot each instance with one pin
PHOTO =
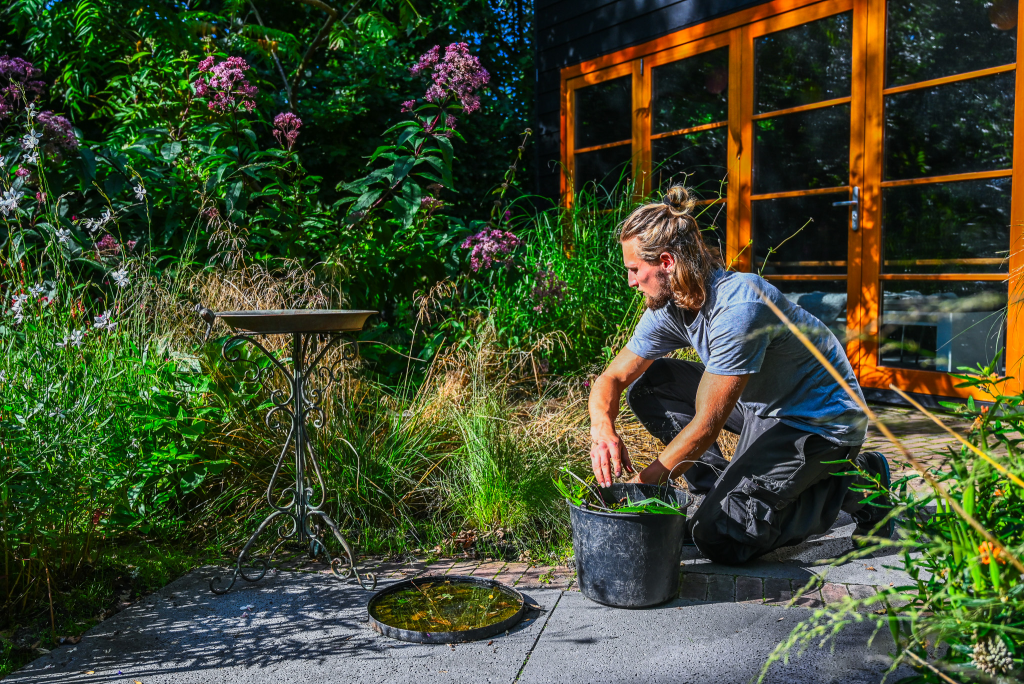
(331, 19)
(277, 61)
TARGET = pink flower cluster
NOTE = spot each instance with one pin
(458, 73)
(489, 246)
(58, 131)
(549, 289)
(286, 128)
(108, 245)
(18, 80)
(227, 84)
(431, 204)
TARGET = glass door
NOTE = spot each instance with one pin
(939, 186)
(802, 216)
(687, 90)
(600, 140)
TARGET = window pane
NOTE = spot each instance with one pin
(608, 168)
(924, 224)
(804, 64)
(929, 39)
(690, 92)
(824, 299)
(819, 248)
(955, 128)
(604, 112)
(942, 326)
(697, 160)
(803, 150)
(712, 220)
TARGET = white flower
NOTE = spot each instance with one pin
(120, 278)
(94, 225)
(103, 322)
(64, 236)
(36, 290)
(33, 157)
(31, 140)
(140, 192)
(18, 307)
(9, 201)
(74, 339)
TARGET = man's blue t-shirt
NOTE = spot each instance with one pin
(735, 333)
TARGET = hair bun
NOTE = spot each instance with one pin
(678, 200)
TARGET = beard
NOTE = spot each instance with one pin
(662, 297)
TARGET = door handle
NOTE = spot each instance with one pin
(855, 212)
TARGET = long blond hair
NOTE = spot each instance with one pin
(669, 226)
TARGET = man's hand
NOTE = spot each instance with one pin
(607, 452)
(608, 456)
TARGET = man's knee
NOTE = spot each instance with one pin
(646, 383)
(737, 526)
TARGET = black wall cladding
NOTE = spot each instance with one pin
(571, 31)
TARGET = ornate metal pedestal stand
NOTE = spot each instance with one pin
(313, 333)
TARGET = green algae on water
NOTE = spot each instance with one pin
(444, 606)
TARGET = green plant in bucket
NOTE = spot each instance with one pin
(582, 493)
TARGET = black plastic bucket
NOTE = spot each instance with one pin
(629, 560)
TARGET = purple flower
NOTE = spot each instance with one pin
(108, 245)
(22, 172)
(489, 246)
(548, 289)
(58, 131)
(458, 73)
(18, 82)
(408, 105)
(227, 83)
(286, 129)
(431, 204)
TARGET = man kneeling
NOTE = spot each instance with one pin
(797, 425)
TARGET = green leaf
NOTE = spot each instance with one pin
(234, 194)
(412, 194)
(170, 151)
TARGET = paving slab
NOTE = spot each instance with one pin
(686, 642)
(302, 627)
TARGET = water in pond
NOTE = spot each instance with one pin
(444, 606)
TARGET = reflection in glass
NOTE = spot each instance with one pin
(942, 326)
(711, 218)
(938, 222)
(690, 92)
(954, 128)
(803, 150)
(928, 39)
(697, 160)
(823, 299)
(805, 64)
(604, 112)
(820, 247)
(608, 169)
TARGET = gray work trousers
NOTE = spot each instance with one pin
(777, 490)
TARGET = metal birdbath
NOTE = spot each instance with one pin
(295, 506)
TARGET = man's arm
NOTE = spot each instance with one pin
(716, 397)
(607, 452)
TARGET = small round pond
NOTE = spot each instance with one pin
(438, 609)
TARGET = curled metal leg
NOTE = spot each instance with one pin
(345, 567)
(239, 571)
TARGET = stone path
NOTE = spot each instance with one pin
(304, 626)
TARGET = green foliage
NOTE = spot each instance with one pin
(966, 600)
